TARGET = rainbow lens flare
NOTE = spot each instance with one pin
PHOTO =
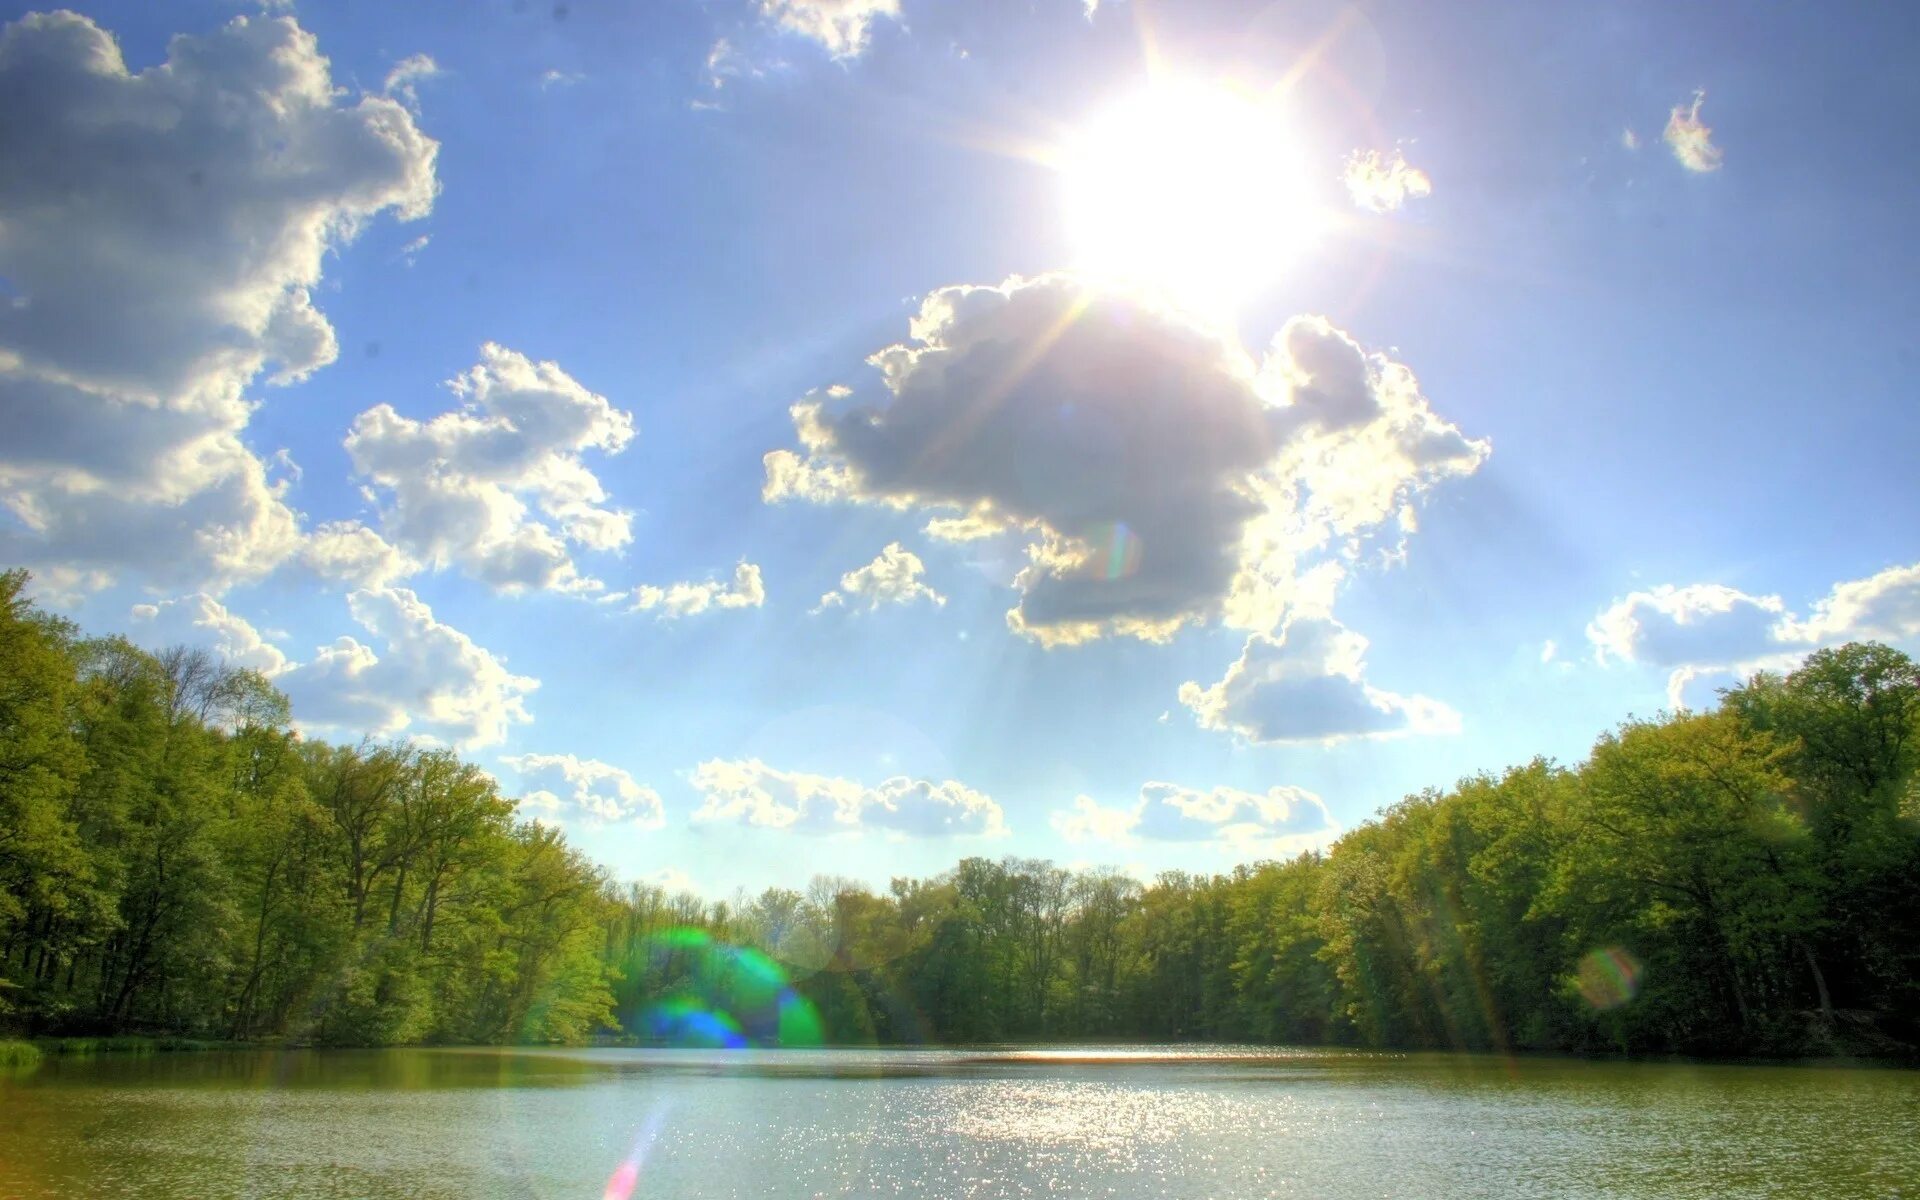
(626, 1176)
(1608, 977)
(1116, 550)
(720, 996)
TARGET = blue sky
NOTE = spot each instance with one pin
(1562, 374)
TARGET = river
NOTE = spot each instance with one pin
(1171, 1122)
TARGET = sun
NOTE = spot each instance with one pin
(1192, 189)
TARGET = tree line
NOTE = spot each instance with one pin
(173, 857)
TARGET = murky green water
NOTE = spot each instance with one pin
(1217, 1123)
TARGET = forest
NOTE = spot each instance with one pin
(176, 859)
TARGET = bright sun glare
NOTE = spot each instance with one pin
(1189, 188)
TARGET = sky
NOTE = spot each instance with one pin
(785, 437)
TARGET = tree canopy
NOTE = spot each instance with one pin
(175, 857)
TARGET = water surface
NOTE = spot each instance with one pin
(1175, 1123)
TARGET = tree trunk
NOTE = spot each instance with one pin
(1819, 985)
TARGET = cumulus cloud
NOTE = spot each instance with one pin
(201, 620)
(1696, 631)
(843, 27)
(687, 599)
(426, 677)
(895, 576)
(1691, 139)
(1381, 183)
(1161, 476)
(1279, 820)
(1703, 630)
(1884, 606)
(497, 487)
(752, 793)
(1309, 685)
(348, 552)
(162, 234)
(1671, 626)
(561, 784)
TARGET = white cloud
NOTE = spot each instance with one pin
(553, 77)
(726, 63)
(1089, 820)
(1308, 685)
(688, 599)
(427, 677)
(752, 793)
(841, 26)
(497, 487)
(562, 783)
(1162, 477)
(164, 234)
(671, 880)
(1379, 183)
(1549, 650)
(1704, 630)
(1280, 820)
(1629, 140)
(201, 620)
(1691, 139)
(1675, 626)
(406, 73)
(1885, 606)
(895, 576)
(349, 553)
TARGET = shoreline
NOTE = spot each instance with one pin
(16, 1053)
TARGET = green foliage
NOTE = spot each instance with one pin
(174, 860)
(1738, 882)
(15, 1054)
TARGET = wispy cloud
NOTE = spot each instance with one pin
(1379, 183)
(843, 27)
(1690, 138)
(407, 73)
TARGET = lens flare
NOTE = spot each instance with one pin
(1116, 551)
(1608, 977)
(626, 1176)
(718, 996)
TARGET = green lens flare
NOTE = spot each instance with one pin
(1608, 977)
(721, 996)
(1116, 550)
